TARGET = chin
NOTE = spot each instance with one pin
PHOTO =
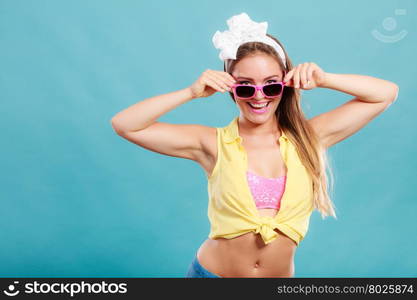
(261, 117)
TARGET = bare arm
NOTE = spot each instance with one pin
(146, 112)
(138, 123)
(363, 87)
(372, 96)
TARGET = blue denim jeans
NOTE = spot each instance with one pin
(198, 271)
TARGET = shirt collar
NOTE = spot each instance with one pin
(232, 132)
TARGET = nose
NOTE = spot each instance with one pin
(259, 95)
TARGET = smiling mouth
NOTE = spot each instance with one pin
(255, 107)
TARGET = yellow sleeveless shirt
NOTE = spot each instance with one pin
(232, 210)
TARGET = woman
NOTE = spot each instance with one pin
(266, 168)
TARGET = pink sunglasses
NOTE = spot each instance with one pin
(248, 91)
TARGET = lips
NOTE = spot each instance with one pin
(249, 103)
(255, 102)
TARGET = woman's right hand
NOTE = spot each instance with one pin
(211, 81)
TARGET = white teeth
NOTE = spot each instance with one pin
(259, 105)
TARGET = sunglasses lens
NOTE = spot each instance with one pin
(273, 89)
(245, 91)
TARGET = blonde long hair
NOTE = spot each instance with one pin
(292, 121)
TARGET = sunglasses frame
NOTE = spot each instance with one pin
(259, 87)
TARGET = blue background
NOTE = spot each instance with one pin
(78, 200)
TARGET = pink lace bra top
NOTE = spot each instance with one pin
(267, 192)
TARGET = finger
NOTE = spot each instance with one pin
(288, 76)
(222, 80)
(296, 77)
(213, 83)
(290, 82)
(303, 75)
(289, 79)
(228, 77)
(225, 81)
(310, 71)
(218, 80)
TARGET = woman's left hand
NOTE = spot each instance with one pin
(306, 76)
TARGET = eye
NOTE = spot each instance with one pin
(273, 80)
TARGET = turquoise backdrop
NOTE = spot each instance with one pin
(80, 201)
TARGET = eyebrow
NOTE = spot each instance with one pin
(252, 78)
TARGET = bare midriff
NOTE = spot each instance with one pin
(248, 256)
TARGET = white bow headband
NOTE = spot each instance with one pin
(241, 30)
